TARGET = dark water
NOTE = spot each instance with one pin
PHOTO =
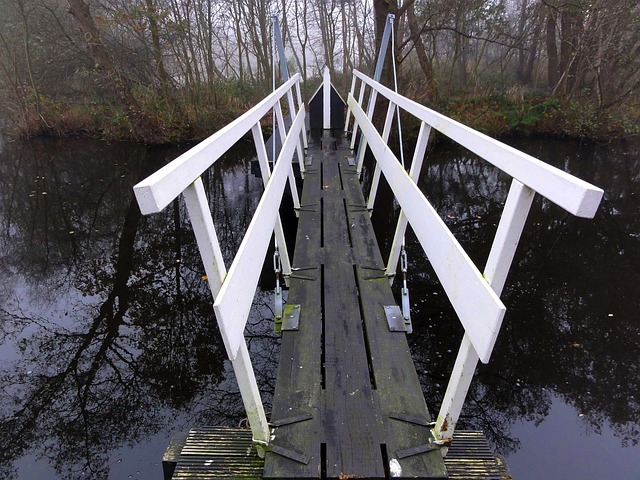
(109, 346)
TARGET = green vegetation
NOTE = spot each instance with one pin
(158, 71)
(176, 122)
(529, 114)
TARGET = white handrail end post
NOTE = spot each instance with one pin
(205, 233)
(456, 393)
(250, 393)
(326, 99)
(505, 242)
(146, 199)
(590, 202)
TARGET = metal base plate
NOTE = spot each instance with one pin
(291, 317)
(394, 318)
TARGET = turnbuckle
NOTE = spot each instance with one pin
(278, 307)
(406, 306)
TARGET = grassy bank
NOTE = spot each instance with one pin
(182, 117)
(195, 117)
(517, 113)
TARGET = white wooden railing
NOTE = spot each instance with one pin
(233, 290)
(474, 295)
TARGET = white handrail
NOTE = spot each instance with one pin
(233, 291)
(474, 296)
(571, 193)
(156, 191)
(477, 306)
(233, 302)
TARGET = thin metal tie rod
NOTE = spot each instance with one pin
(406, 305)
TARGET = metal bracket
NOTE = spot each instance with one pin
(302, 277)
(291, 420)
(395, 320)
(357, 208)
(417, 450)
(403, 417)
(290, 454)
(290, 317)
(307, 207)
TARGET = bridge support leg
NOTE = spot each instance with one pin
(454, 398)
(503, 249)
(251, 399)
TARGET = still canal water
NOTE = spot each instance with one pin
(108, 343)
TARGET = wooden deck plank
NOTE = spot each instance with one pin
(398, 387)
(350, 423)
(298, 382)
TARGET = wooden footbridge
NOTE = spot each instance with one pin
(348, 403)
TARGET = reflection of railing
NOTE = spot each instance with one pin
(474, 295)
(233, 290)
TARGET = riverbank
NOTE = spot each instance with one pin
(515, 112)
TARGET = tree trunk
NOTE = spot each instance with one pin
(552, 50)
(527, 74)
(423, 59)
(154, 28)
(141, 126)
(522, 22)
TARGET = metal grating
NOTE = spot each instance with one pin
(470, 457)
(218, 452)
(224, 452)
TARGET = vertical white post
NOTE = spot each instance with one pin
(261, 152)
(204, 230)
(292, 178)
(351, 92)
(414, 173)
(305, 143)
(376, 174)
(251, 398)
(355, 122)
(326, 99)
(362, 148)
(292, 114)
(502, 252)
(205, 233)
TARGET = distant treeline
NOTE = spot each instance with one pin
(159, 71)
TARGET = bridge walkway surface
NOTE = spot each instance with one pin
(348, 402)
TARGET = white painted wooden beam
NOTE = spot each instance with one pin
(386, 130)
(348, 117)
(156, 191)
(355, 122)
(478, 307)
(571, 193)
(265, 171)
(505, 242)
(414, 173)
(233, 303)
(326, 99)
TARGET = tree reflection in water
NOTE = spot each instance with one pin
(107, 321)
(571, 330)
(108, 330)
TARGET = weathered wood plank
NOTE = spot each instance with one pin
(298, 383)
(225, 452)
(396, 380)
(218, 452)
(351, 431)
(343, 366)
